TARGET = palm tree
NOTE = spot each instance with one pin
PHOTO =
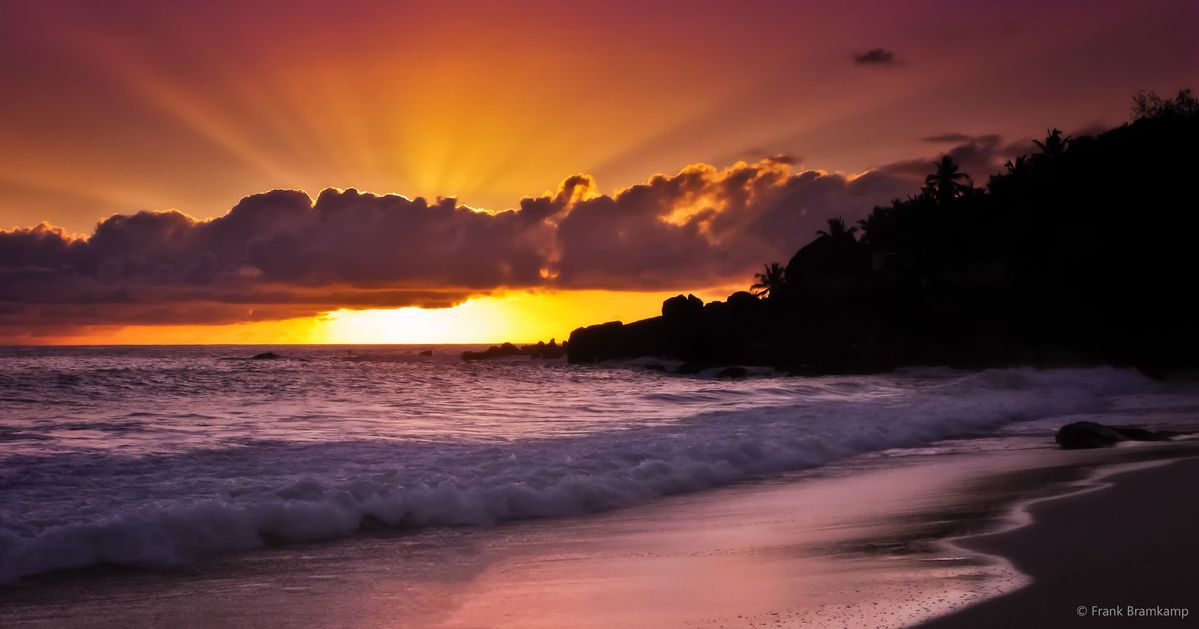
(944, 184)
(878, 221)
(1054, 143)
(1017, 167)
(769, 282)
(837, 229)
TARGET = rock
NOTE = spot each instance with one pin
(1086, 435)
(734, 372)
(828, 258)
(501, 351)
(1094, 435)
(542, 350)
(596, 342)
(265, 356)
(743, 303)
(682, 308)
(427, 352)
(545, 351)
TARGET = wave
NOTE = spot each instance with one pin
(163, 511)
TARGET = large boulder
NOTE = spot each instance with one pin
(828, 258)
(680, 308)
(596, 342)
(1087, 435)
(743, 302)
(1095, 435)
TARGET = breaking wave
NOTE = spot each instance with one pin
(79, 509)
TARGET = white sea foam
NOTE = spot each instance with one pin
(82, 507)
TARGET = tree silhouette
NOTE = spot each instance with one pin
(1018, 167)
(837, 229)
(770, 281)
(1054, 143)
(1148, 105)
(879, 221)
(945, 183)
(1048, 261)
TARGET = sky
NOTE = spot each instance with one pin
(292, 171)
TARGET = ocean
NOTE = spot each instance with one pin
(162, 456)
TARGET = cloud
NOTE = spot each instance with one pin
(946, 137)
(979, 156)
(280, 254)
(876, 57)
(706, 225)
(275, 255)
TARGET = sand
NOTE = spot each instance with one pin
(1109, 555)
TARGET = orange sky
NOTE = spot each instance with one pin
(521, 317)
(134, 105)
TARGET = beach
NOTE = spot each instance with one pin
(856, 544)
(1122, 551)
(355, 487)
(595, 315)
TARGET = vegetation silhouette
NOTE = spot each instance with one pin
(769, 281)
(1054, 143)
(1080, 253)
(837, 229)
(947, 182)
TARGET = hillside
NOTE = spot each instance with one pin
(1080, 253)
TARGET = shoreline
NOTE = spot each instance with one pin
(1122, 544)
(858, 544)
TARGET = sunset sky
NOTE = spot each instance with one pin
(488, 171)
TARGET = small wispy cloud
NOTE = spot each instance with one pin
(876, 57)
(947, 137)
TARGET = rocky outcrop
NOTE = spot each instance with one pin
(1080, 435)
(682, 309)
(828, 259)
(742, 330)
(495, 351)
(964, 280)
(542, 351)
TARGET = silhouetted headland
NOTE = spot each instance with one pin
(1080, 253)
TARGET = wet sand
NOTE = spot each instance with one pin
(857, 544)
(1128, 548)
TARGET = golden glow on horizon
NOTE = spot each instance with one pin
(475, 321)
(519, 317)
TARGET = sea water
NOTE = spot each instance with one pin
(158, 456)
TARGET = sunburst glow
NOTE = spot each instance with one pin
(519, 317)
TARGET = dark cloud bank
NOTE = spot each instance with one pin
(280, 254)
